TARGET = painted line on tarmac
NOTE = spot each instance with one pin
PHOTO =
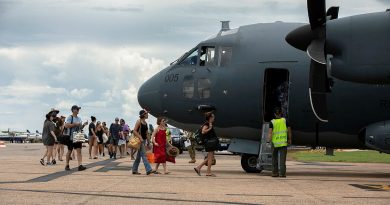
(368, 197)
(277, 195)
(127, 197)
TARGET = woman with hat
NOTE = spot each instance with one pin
(140, 131)
(48, 136)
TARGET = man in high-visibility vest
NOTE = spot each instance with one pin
(280, 135)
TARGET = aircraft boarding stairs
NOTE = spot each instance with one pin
(264, 161)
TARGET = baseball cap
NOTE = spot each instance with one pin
(75, 107)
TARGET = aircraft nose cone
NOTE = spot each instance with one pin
(148, 96)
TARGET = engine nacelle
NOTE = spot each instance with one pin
(360, 46)
(377, 136)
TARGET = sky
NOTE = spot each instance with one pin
(97, 53)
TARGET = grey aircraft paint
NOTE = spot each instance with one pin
(235, 88)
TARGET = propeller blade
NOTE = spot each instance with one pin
(316, 10)
(318, 89)
(316, 50)
(333, 12)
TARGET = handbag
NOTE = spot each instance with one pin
(150, 157)
(134, 142)
(78, 137)
(198, 136)
(105, 138)
(121, 142)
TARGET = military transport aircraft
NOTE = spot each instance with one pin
(331, 78)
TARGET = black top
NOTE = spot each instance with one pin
(144, 131)
(91, 128)
(99, 133)
(211, 133)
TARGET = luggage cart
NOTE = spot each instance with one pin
(264, 161)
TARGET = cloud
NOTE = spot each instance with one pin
(80, 93)
(130, 99)
(64, 104)
(22, 90)
(385, 2)
(103, 80)
(13, 53)
(120, 9)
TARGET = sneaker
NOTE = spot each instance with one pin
(114, 155)
(95, 157)
(104, 155)
(42, 162)
(67, 168)
(136, 173)
(53, 161)
(82, 168)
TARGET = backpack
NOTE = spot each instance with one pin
(199, 138)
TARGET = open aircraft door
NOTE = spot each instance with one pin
(275, 92)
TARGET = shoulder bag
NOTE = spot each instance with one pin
(134, 142)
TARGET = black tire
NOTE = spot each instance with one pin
(248, 163)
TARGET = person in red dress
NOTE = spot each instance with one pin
(159, 140)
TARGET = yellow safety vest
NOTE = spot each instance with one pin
(279, 132)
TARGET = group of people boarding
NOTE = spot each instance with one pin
(61, 130)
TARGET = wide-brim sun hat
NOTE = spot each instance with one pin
(52, 111)
(173, 151)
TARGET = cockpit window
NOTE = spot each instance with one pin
(225, 55)
(190, 59)
(207, 56)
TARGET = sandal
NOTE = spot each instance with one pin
(197, 171)
(211, 175)
(42, 162)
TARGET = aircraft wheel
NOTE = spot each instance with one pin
(248, 163)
